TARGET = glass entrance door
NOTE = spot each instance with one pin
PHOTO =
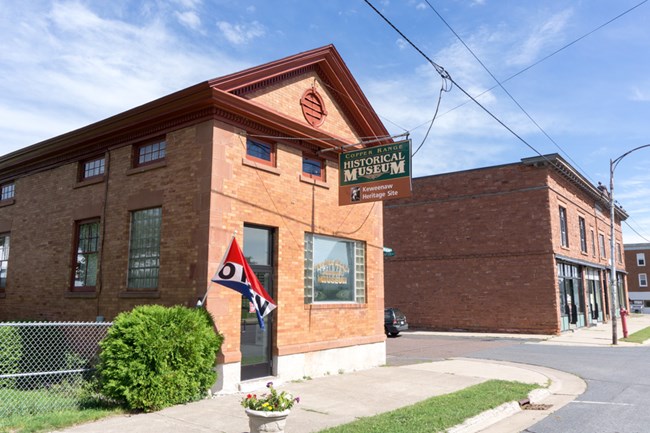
(256, 343)
(594, 293)
(572, 302)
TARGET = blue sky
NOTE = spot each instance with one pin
(65, 64)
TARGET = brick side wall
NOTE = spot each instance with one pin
(42, 231)
(243, 194)
(475, 250)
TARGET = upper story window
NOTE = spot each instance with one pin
(144, 248)
(149, 153)
(92, 168)
(619, 253)
(7, 191)
(564, 235)
(86, 255)
(260, 152)
(643, 280)
(583, 234)
(601, 244)
(334, 270)
(640, 259)
(4, 259)
(313, 167)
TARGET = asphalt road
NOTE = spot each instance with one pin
(617, 399)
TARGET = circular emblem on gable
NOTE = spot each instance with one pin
(313, 108)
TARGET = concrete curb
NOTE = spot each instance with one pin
(510, 418)
(487, 418)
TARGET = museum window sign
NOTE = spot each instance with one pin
(334, 270)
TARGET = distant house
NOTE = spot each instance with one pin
(139, 208)
(521, 247)
(636, 263)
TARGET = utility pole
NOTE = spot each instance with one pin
(613, 281)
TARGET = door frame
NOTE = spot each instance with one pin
(265, 368)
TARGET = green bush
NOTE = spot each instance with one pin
(154, 357)
(11, 352)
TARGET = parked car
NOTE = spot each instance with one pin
(394, 321)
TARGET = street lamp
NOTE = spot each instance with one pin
(612, 241)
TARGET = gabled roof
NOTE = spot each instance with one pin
(217, 98)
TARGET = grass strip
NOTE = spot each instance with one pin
(442, 412)
(53, 420)
(639, 336)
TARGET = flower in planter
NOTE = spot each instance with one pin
(273, 401)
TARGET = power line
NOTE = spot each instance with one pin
(638, 234)
(553, 53)
(638, 227)
(501, 85)
(445, 75)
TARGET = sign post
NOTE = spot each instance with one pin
(375, 173)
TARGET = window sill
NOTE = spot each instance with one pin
(312, 181)
(93, 181)
(146, 167)
(341, 306)
(132, 294)
(260, 166)
(7, 202)
(81, 295)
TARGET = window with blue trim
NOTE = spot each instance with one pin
(313, 168)
(261, 152)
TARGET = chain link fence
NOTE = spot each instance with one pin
(44, 366)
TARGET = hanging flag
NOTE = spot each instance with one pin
(235, 273)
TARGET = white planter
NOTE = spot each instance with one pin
(266, 422)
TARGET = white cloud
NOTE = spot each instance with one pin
(239, 34)
(540, 37)
(189, 19)
(640, 95)
(401, 44)
(78, 67)
(420, 6)
(189, 4)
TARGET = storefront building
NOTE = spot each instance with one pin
(140, 208)
(521, 247)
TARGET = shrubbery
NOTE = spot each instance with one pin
(11, 352)
(154, 357)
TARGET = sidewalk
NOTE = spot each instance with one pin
(338, 399)
(601, 335)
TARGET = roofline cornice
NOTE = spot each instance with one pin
(561, 166)
(218, 99)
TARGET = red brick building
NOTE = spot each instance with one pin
(139, 208)
(636, 263)
(521, 247)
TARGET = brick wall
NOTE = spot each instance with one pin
(43, 227)
(243, 194)
(634, 269)
(474, 250)
(207, 189)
